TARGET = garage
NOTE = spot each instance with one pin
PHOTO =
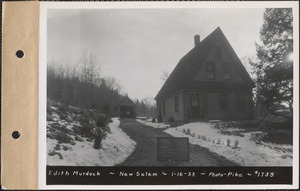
(126, 108)
(127, 112)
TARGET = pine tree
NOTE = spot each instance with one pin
(274, 68)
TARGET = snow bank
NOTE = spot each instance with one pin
(248, 153)
(116, 147)
(154, 125)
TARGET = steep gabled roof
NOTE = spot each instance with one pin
(126, 101)
(188, 65)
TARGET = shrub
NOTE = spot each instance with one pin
(49, 118)
(52, 153)
(89, 139)
(236, 143)
(76, 111)
(106, 129)
(65, 148)
(78, 139)
(49, 110)
(86, 130)
(109, 120)
(63, 117)
(57, 147)
(101, 120)
(171, 120)
(188, 131)
(84, 119)
(228, 142)
(63, 108)
(60, 136)
(77, 129)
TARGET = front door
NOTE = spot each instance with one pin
(197, 106)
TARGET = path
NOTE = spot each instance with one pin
(145, 153)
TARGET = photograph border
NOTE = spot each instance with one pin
(44, 6)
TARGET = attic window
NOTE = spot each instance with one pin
(218, 52)
(210, 71)
(226, 71)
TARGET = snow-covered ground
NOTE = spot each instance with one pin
(115, 148)
(154, 125)
(240, 149)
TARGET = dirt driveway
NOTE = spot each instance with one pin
(145, 153)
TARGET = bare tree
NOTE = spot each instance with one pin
(113, 84)
(164, 76)
(90, 70)
(82, 85)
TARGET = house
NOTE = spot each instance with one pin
(126, 108)
(209, 82)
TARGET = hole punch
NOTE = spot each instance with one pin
(20, 54)
(16, 134)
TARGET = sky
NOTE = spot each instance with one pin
(135, 46)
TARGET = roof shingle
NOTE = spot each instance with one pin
(189, 64)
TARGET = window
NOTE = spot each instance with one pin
(224, 102)
(210, 71)
(240, 102)
(226, 71)
(164, 108)
(176, 104)
(218, 52)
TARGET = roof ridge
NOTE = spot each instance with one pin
(203, 41)
(197, 66)
(190, 63)
(192, 50)
(124, 99)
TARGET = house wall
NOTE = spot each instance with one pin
(201, 74)
(170, 108)
(213, 107)
(214, 110)
(213, 98)
(127, 112)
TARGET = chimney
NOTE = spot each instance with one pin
(197, 39)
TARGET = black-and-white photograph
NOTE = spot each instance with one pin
(170, 87)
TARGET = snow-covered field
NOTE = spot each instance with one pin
(115, 147)
(241, 149)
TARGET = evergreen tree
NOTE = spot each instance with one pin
(274, 66)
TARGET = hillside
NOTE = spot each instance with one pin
(81, 137)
